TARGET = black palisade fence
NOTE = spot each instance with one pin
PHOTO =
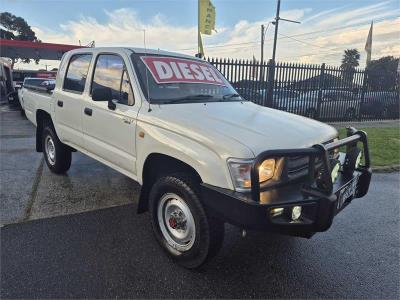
(321, 92)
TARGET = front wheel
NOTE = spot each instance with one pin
(181, 225)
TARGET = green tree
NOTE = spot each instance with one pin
(382, 73)
(349, 63)
(16, 28)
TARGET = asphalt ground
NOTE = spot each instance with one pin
(78, 236)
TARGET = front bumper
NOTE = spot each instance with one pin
(254, 210)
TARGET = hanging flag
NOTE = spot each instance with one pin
(201, 49)
(206, 17)
(368, 44)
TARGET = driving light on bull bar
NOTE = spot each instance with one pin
(358, 160)
(266, 170)
(296, 213)
(335, 171)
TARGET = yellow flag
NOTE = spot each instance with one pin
(206, 17)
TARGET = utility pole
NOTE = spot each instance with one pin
(278, 8)
(262, 43)
(271, 64)
(276, 23)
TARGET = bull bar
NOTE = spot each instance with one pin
(250, 211)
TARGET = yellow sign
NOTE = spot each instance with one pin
(206, 17)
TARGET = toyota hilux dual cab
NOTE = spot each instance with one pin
(203, 155)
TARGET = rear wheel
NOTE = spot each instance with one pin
(56, 154)
(181, 225)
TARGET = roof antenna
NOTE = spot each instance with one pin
(147, 75)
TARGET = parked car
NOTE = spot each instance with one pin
(40, 84)
(335, 104)
(6, 87)
(281, 97)
(202, 154)
(381, 104)
(20, 75)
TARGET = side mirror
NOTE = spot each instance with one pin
(102, 94)
(112, 104)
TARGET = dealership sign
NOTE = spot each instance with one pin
(178, 70)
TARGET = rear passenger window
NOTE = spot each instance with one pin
(110, 72)
(77, 72)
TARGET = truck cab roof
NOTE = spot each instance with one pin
(132, 50)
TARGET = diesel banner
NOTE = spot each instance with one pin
(178, 70)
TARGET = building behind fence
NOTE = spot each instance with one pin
(321, 92)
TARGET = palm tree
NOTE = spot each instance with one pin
(350, 59)
(349, 63)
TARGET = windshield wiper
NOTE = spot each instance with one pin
(191, 97)
(229, 96)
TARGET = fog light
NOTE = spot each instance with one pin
(277, 211)
(296, 213)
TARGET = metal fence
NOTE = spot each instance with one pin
(321, 92)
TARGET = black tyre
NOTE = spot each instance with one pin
(56, 154)
(180, 223)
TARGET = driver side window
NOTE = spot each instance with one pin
(110, 72)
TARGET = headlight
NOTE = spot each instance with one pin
(267, 170)
(241, 170)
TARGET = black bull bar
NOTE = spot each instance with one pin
(320, 202)
(318, 150)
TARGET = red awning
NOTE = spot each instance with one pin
(26, 49)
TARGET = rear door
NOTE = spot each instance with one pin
(69, 100)
(110, 134)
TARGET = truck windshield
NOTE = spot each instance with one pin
(168, 80)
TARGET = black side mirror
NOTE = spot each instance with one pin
(112, 104)
(102, 94)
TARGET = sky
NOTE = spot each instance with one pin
(327, 28)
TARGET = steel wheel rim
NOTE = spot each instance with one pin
(50, 150)
(176, 222)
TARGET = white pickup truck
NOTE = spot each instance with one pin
(202, 154)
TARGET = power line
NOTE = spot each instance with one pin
(343, 27)
(306, 43)
(287, 36)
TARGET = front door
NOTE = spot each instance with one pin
(110, 133)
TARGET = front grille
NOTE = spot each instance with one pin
(298, 166)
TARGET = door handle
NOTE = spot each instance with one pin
(60, 103)
(88, 111)
(127, 120)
